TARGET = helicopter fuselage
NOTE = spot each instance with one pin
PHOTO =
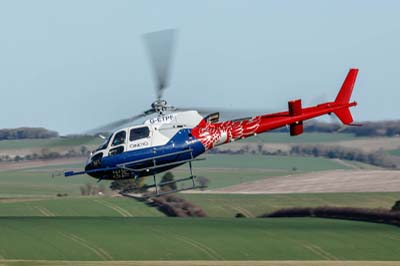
(169, 140)
(161, 143)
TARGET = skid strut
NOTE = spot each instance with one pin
(158, 186)
(156, 166)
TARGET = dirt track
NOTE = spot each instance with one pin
(325, 181)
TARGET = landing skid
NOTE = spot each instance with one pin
(159, 185)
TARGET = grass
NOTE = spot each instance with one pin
(39, 183)
(227, 205)
(221, 170)
(227, 170)
(229, 177)
(82, 238)
(118, 229)
(77, 206)
(196, 263)
(394, 152)
(49, 143)
(215, 205)
(249, 161)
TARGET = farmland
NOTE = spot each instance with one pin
(218, 168)
(76, 206)
(227, 205)
(48, 143)
(82, 238)
(86, 230)
(215, 205)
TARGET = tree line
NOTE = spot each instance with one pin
(347, 213)
(378, 128)
(27, 133)
(378, 158)
(47, 154)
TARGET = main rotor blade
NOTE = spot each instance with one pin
(108, 128)
(227, 114)
(160, 46)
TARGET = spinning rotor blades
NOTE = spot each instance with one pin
(117, 124)
(160, 46)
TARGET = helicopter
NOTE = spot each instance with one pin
(171, 137)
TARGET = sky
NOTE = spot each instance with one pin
(73, 65)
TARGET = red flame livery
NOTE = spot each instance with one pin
(213, 134)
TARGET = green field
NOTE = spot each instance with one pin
(227, 205)
(215, 205)
(82, 238)
(37, 225)
(49, 143)
(394, 152)
(221, 170)
(226, 170)
(287, 163)
(36, 183)
(100, 206)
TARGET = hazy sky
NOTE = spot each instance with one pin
(74, 65)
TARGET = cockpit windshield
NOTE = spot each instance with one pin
(104, 144)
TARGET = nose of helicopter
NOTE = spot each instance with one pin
(94, 161)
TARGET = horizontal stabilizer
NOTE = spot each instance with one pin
(344, 115)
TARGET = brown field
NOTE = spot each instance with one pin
(370, 144)
(324, 181)
(196, 263)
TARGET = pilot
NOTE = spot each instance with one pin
(119, 139)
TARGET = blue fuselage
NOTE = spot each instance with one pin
(149, 161)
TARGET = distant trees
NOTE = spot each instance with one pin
(172, 205)
(47, 154)
(378, 158)
(379, 128)
(168, 178)
(347, 213)
(203, 181)
(396, 207)
(27, 133)
(128, 185)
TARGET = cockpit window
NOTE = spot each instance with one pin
(139, 133)
(104, 144)
(119, 138)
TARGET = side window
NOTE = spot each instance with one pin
(116, 151)
(139, 133)
(119, 138)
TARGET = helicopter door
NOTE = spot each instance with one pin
(139, 138)
(118, 144)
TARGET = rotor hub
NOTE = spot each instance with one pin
(159, 106)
